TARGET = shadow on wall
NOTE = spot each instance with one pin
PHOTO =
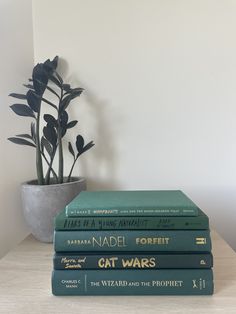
(215, 202)
(103, 158)
(105, 153)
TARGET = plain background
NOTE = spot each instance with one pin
(16, 163)
(159, 100)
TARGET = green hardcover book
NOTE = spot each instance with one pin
(131, 203)
(135, 240)
(133, 282)
(116, 260)
(200, 222)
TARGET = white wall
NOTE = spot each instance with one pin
(16, 162)
(160, 99)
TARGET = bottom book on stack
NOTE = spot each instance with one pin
(132, 274)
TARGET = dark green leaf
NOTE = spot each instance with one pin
(46, 87)
(65, 102)
(20, 141)
(39, 76)
(73, 94)
(55, 62)
(71, 150)
(71, 124)
(77, 90)
(64, 119)
(50, 119)
(34, 101)
(63, 122)
(25, 136)
(19, 96)
(29, 86)
(50, 66)
(63, 131)
(50, 134)
(55, 80)
(23, 110)
(79, 144)
(45, 144)
(33, 133)
(88, 146)
(66, 87)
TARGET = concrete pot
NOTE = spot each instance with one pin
(42, 202)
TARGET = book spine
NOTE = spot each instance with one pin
(133, 282)
(145, 240)
(132, 261)
(132, 223)
(123, 211)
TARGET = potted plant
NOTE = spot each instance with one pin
(52, 190)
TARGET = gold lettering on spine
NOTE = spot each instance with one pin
(152, 262)
(111, 241)
(144, 263)
(107, 262)
(152, 241)
(134, 262)
(139, 262)
(79, 242)
(167, 283)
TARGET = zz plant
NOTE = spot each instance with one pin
(48, 141)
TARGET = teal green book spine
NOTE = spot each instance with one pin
(131, 203)
(141, 240)
(62, 222)
(116, 260)
(133, 282)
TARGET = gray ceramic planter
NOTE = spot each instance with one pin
(42, 202)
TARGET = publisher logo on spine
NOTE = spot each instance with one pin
(200, 241)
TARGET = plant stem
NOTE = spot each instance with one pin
(60, 148)
(69, 176)
(39, 164)
(47, 177)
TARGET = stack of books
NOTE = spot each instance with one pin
(132, 243)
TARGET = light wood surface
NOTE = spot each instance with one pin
(25, 278)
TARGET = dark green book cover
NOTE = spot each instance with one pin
(62, 222)
(134, 240)
(133, 282)
(115, 260)
(132, 203)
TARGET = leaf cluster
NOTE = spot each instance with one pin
(48, 140)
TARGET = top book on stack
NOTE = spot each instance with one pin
(132, 203)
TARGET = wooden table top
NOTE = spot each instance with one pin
(25, 287)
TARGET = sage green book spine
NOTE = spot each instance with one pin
(62, 222)
(131, 203)
(141, 240)
(133, 282)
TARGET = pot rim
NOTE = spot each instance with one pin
(30, 184)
